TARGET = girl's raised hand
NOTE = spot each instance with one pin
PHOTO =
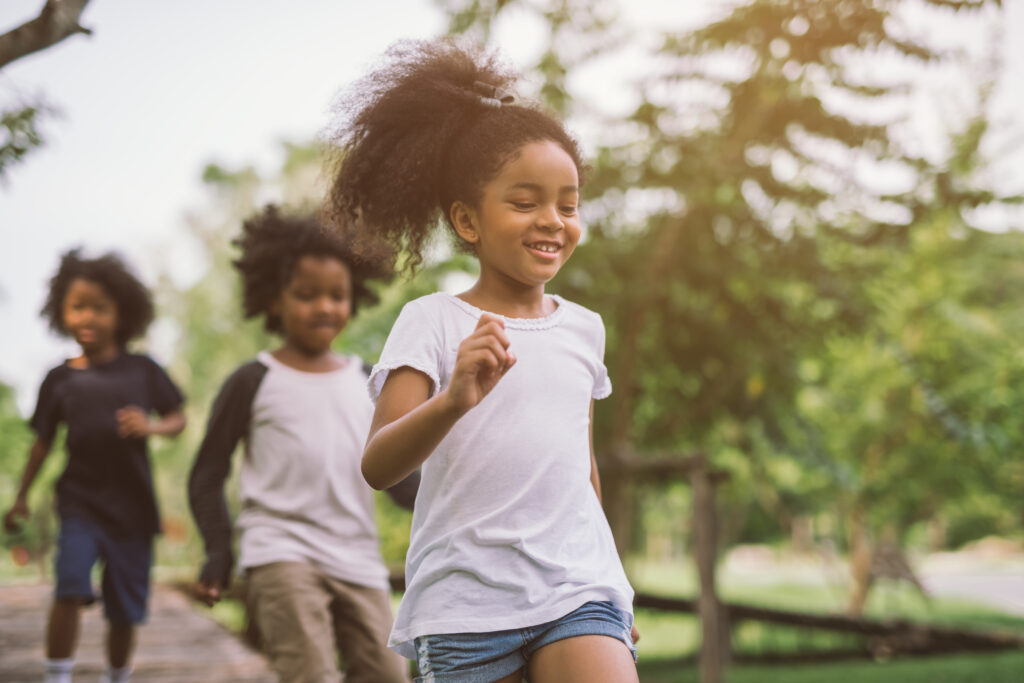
(483, 359)
(132, 422)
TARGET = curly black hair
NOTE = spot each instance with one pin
(134, 303)
(272, 244)
(424, 130)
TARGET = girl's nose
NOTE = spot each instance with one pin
(550, 220)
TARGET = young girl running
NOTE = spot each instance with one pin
(511, 569)
(111, 401)
(309, 546)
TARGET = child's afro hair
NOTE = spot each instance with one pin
(272, 243)
(434, 123)
(134, 304)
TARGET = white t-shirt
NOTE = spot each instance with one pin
(303, 495)
(507, 531)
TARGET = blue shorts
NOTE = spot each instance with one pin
(126, 563)
(487, 657)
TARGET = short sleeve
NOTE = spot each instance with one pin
(47, 415)
(165, 394)
(602, 383)
(415, 341)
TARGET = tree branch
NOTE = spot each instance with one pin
(57, 21)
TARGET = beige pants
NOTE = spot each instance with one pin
(305, 617)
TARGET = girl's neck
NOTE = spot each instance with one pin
(305, 361)
(509, 301)
(99, 356)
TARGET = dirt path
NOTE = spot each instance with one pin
(177, 644)
(987, 578)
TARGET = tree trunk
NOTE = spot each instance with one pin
(937, 530)
(57, 20)
(860, 563)
(801, 534)
(617, 496)
(714, 646)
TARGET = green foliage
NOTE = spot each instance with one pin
(20, 133)
(27, 552)
(984, 668)
(923, 408)
(833, 345)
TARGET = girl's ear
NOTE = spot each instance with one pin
(464, 221)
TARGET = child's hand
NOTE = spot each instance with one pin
(634, 634)
(132, 421)
(208, 593)
(11, 523)
(483, 359)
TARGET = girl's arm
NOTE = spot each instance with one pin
(36, 455)
(595, 478)
(171, 424)
(404, 492)
(132, 421)
(407, 426)
(230, 417)
(409, 423)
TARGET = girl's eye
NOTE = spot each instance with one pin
(569, 210)
(523, 206)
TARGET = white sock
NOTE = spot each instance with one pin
(122, 675)
(59, 670)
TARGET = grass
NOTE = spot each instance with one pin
(672, 636)
(989, 668)
(664, 634)
(670, 641)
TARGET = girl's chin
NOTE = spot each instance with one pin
(91, 344)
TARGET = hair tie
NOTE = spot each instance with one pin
(491, 95)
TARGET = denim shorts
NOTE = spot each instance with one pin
(487, 657)
(126, 563)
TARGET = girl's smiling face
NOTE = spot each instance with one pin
(526, 224)
(315, 304)
(90, 316)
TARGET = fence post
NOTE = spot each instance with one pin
(714, 647)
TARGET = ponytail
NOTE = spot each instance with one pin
(431, 126)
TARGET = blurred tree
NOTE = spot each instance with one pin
(923, 408)
(19, 123)
(735, 221)
(19, 132)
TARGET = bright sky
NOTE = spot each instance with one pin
(160, 89)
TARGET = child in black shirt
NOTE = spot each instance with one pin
(107, 398)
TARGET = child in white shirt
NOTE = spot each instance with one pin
(511, 567)
(309, 547)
